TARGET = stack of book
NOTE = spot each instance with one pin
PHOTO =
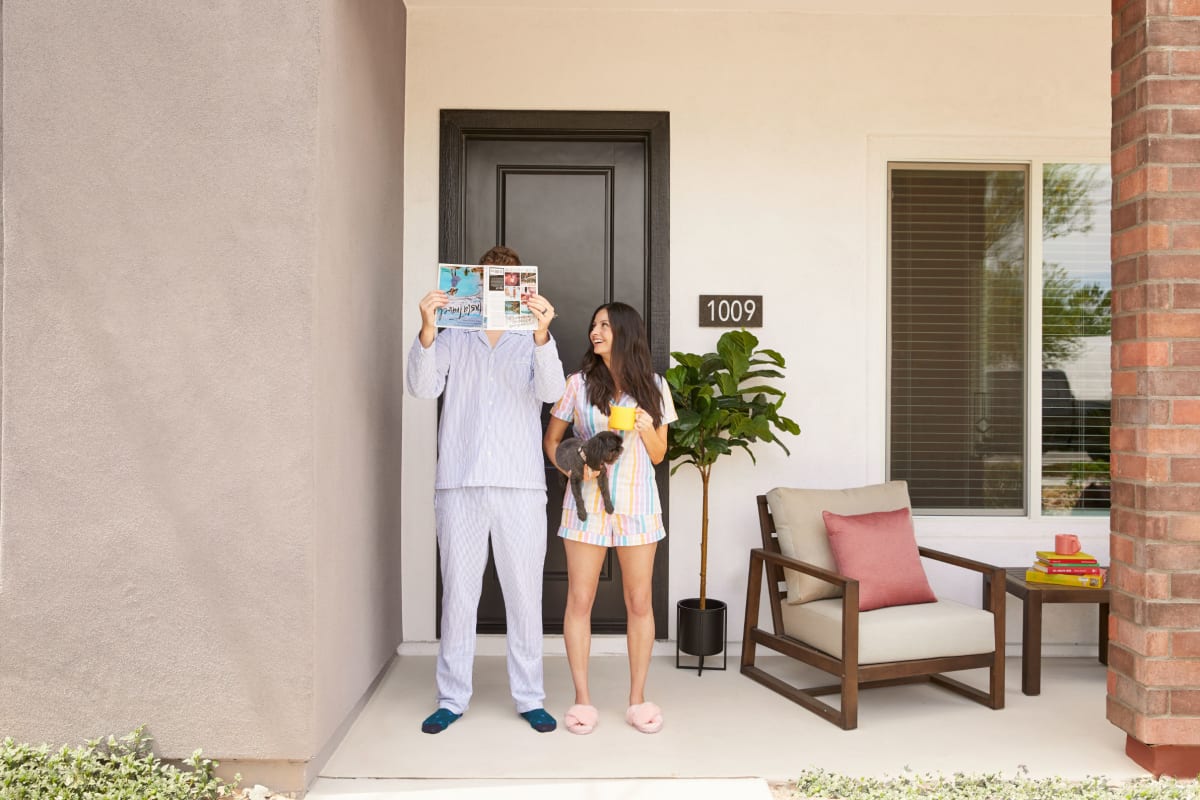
(1077, 569)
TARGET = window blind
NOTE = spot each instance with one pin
(956, 324)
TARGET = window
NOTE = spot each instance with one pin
(1076, 337)
(960, 291)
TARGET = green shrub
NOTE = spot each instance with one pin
(124, 769)
(959, 786)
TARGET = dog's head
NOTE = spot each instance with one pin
(603, 448)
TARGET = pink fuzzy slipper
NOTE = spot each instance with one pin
(646, 717)
(581, 719)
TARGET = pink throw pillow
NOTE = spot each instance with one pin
(880, 551)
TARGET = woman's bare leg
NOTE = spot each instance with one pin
(637, 572)
(584, 562)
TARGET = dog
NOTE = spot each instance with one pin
(597, 452)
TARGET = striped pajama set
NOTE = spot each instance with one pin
(637, 509)
(490, 483)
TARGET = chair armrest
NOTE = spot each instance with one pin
(787, 562)
(966, 563)
(993, 584)
(849, 597)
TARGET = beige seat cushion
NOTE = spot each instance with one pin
(895, 633)
(801, 528)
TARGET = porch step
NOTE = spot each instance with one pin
(624, 789)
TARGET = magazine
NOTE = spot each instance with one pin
(487, 297)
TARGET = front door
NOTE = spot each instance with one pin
(581, 195)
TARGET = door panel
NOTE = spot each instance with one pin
(554, 202)
(575, 204)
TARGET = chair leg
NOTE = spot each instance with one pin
(753, 592)
(996, 679)
(849, 716)
(997, 604)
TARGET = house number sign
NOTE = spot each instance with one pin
(731, 311)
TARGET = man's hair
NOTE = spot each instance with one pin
(501, 256)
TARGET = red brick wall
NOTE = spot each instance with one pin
(1154, 657)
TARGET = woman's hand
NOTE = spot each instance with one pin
(655, 439)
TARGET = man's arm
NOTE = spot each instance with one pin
(429, 359)
(548, 381)
(427, 368)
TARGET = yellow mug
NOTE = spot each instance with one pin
(621, 418)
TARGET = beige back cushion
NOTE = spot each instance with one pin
(801, 528)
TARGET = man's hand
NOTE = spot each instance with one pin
(543, 312)
(429, 305)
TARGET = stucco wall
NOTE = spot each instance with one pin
(781, 127)
(202, 207)
(358, 337)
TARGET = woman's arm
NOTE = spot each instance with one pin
(555, 432)
(655, 439)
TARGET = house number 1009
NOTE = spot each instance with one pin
(731, 311)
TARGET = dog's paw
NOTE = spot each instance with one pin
(608, 507)
(581, 514)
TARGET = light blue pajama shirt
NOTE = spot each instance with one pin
(490, 482)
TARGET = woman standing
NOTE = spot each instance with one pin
(616, 371)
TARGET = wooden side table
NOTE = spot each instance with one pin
(1034, 596)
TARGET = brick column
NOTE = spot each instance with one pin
(1154, 656)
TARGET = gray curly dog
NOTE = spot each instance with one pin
(597, 452)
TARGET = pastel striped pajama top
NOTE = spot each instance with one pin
(637, 509)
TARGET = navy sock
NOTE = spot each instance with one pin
(439, 720)
(539, 720)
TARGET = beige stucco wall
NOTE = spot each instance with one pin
(199, 206)
(782, 124)
(358, 345)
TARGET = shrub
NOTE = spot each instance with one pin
(960, 786)
(124, 769)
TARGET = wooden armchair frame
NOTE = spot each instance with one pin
(851, 675)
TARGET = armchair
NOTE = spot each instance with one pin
(816, 619)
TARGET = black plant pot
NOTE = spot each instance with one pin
(701, 632)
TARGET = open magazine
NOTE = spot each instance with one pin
(487, 297)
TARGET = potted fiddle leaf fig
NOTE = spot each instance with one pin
(725, 401)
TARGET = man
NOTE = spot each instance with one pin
(490, 482)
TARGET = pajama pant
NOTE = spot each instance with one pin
(516, 520)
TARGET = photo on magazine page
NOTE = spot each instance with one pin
(518, 283)
(464, 284)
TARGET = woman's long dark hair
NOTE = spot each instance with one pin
(630, 358)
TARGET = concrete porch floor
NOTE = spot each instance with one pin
(720, 725)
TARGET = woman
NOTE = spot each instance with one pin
(615, 371)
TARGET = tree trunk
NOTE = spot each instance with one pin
(704, 537)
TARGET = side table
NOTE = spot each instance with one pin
(1033, 597)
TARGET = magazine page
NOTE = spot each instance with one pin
(487, 297)
(509, 289)
(464, 284)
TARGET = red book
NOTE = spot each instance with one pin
(1052, 569)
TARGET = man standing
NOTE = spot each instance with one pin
(490, 482)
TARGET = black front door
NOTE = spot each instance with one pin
(578, 195)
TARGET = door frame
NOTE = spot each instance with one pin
(652, 128)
